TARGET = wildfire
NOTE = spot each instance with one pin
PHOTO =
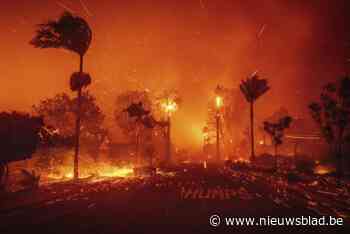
(218, 101)
(241, 160)
(323, 169)
(116, 172)
(100, 171)
(169, 106)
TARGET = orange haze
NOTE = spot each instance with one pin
(184, 45)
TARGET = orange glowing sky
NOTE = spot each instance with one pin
(187, 45)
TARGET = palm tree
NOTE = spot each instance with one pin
(276, 132)
(252, 88)
(72, 33)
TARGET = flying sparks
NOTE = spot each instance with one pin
(261, 31)
(65, 7)
(86, 9)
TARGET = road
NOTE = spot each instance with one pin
(174, 203)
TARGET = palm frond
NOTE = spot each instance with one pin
(253, 87)
(68, 32)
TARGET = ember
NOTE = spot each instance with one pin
(241, 160)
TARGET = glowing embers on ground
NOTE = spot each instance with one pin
(96, 171)
(241, 160)
(323, 169)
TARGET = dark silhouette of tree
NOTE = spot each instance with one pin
(132, 108)
(148, 123)
(79, 80)
(126, 120)
(136, 110)
(277, 115)
(142, 116)
(19, 138)
(332, 114)
(135, 114)
(68, 32)
(276, 132)
(72, 33)
(252, 88)
(59, 112)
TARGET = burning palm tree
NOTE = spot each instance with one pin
(252, 88)
(72, 33)
(169, 103)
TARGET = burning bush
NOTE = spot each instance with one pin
(59, 113)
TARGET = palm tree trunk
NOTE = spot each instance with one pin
(77, 126)
(252, 156)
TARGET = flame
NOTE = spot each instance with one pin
(323, 169)
(116, 172)
(169, 106)
(101, 171)
(69, 175)
(241, 160)
(218, 101)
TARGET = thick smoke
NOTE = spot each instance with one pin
(190, 46)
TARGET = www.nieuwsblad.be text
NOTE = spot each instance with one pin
(216, 220)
